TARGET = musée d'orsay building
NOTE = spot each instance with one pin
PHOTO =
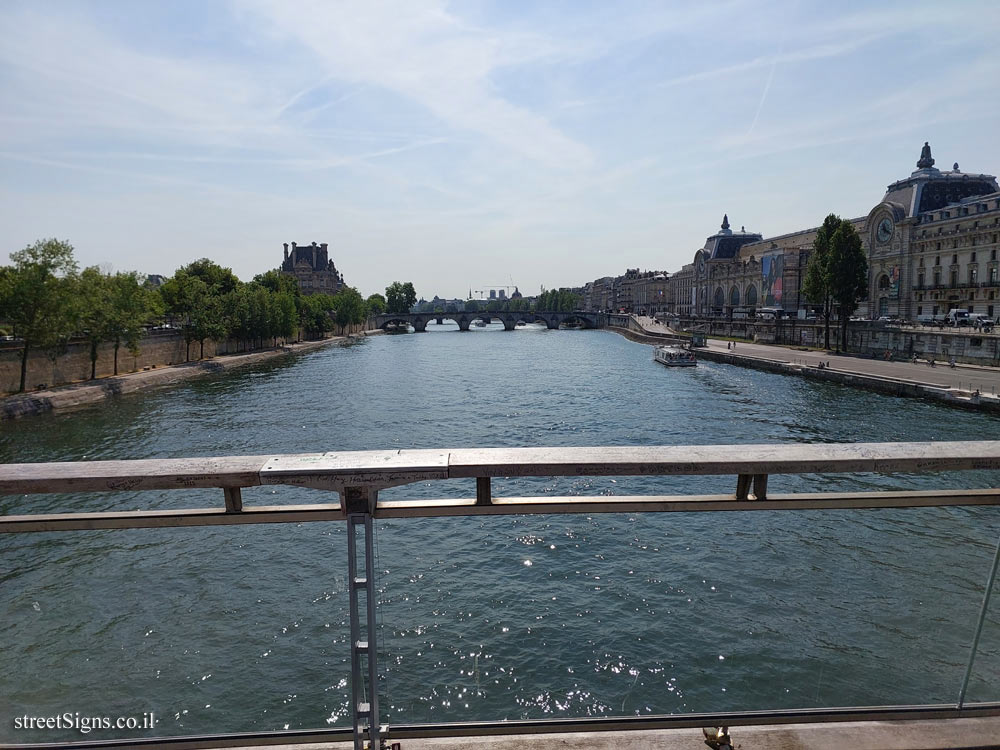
(931, 242)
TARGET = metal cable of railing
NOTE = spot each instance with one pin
(990, 581)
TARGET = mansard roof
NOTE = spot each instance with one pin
(929, 188)
(726, 243)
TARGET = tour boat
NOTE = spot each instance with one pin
(674, 356)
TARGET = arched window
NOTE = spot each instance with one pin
(734, 297)
(752, 297)
(720, 297)
(883, 283)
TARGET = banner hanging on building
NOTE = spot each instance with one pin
(894, 282)
(772, 267)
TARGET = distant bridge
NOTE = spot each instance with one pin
(553, 320)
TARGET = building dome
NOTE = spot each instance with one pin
(928, 188)
(726, 243)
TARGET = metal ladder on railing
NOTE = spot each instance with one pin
(364, 692)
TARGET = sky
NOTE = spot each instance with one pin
(470, 145)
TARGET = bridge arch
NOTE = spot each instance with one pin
(387, 321)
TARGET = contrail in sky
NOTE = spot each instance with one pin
(763, 96)
(770, 77)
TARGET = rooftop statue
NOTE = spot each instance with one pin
(926, 160)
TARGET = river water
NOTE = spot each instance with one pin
(246, 628)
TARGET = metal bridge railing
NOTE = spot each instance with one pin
(358, 477)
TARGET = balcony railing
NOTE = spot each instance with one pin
(358, 477)
(994, 284)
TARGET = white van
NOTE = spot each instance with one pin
(956, 317)
(982, 318)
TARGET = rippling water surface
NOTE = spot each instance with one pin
(246, 628)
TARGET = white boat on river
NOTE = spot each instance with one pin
(674, 356)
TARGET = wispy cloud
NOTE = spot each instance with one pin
(420, 51)
(610, 134)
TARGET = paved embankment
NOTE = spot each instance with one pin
(91, 391)
(968, 386)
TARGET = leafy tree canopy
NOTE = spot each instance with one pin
(217, 279)
(36, 296)
(376, 304)
(276, 281)
(400, 297)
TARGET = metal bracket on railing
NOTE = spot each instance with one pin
(743, 482)
(359, 500)
(484, 493)
(359, 504)
(234, 499)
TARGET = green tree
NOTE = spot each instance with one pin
(36, 296)
(816, 284)
(471, 306)
(316, 309)
(206, 322)
(286, 315)
(376, 304)
(184, 296)
(94, 310)
(848, 273)
(133, 307)
(236, 315)
(278, 282)
(400, 297)
(218, 280)
(349, 306)
(557, 300)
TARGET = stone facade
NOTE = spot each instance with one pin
(931, 242)
(633, 291)
(721, 278)
(312, 267)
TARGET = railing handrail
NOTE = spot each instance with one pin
(359, 476)
(396, 467)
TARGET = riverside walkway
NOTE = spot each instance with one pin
(961, 379)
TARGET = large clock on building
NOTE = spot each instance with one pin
(884, 231)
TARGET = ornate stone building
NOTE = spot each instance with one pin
(932, 246)
(313, 269)
(719, 279)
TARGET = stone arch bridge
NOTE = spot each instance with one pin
(419, 321)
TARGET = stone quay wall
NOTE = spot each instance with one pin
(159, 348)
(871, 338)
(891, 386)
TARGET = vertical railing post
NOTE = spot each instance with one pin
(358, 503)
(979, 626)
